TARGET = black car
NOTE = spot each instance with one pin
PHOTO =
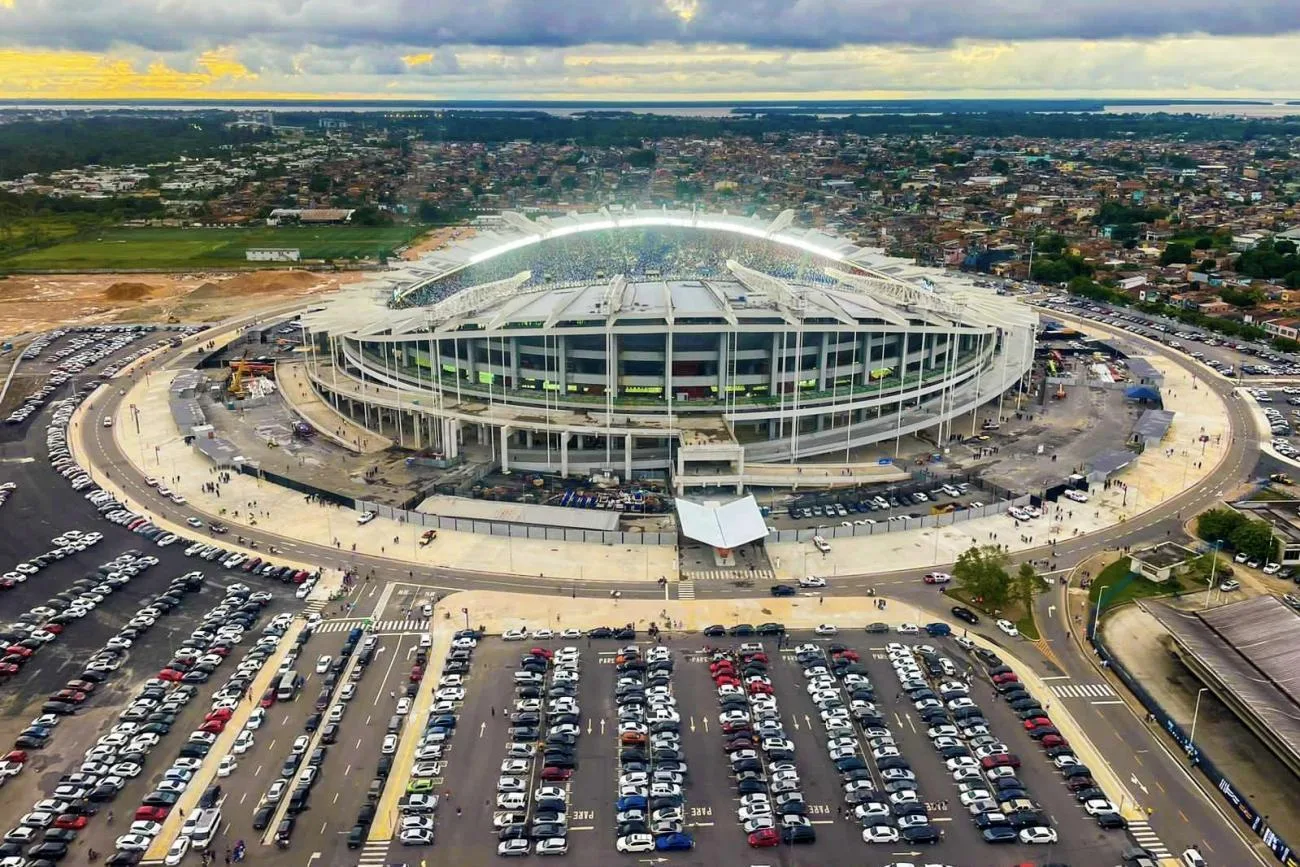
(159, 799)
(625, 634)
(1111, 821)
(961, 612)
(921, 834)
(262, 817)
(799, 834)
(877, 628)
(1003, 833)
(781, 590)
(717, 630)
(770, 628)
(601, 632)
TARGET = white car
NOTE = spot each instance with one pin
(543, 633)
(516, 634)
(1097, 806)
(176, 854)
(133, 842)
(365, 517)
(389, 746)
(879, 834)
(227, 766)
(1037, 835)
(255, 719)
(323, 664)
(450, 693)
(1077, 496)
(812, 581)
(1008, 627)
(825, 629)
(243, 743)
(634, 843)
(908, 629)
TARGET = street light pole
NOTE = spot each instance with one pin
(1096, 615)
(1213, 566)
(1196, 712)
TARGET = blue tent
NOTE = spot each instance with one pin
(1143, 392)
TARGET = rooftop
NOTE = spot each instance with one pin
(1164, 555)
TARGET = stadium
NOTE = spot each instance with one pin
(664, 343)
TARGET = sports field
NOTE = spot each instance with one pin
(124, 249)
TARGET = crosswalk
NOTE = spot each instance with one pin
(1141, 832)
(731, 575)
(347, 623)
(374, 853)
(1082, 690)
(316, 606)
(686, 588)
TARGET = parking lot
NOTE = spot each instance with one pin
(874, 504)
(710, 797)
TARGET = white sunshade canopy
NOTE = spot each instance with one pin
(722, 526)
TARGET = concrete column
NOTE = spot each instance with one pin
(724, 365)
(450, 437)
(513, 363)
(627, 457)
(505, 444)
(564, 454)
(561, 369)
(528, 439)
(775, 366)
(823, 374)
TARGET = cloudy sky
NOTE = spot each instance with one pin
(648, 49)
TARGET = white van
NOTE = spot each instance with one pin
(204, 827)
(1192, 858)
(821, 544)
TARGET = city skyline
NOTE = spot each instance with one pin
(648, 49)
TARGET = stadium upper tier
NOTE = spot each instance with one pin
(643, 330)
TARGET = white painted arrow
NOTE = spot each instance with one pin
(1135, 781)
(481, 727)
(602, 725)
(1050, 610)
(692, 723)
(705, 721)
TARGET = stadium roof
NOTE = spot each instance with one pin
(722, 526)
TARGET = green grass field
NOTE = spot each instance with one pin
(207, 248)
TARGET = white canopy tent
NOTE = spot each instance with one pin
(724, 526)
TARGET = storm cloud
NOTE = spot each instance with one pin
(178, 25)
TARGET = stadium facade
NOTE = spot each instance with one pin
(650, 343)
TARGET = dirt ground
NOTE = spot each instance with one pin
(37, 303)
(437, 238)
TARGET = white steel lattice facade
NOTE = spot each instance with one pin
(639, 341)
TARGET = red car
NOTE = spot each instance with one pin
(170, 674)
(850, 655)
(221, 713)
(55, 628)
(299, 577)
(219, 650)
(19, 756)
(71, 821)
(1049, 741)
(756, 688)
(213, 726)
(268, 698)
(417, 674)
(7, 668)
(152, 814)
(551, 774)
(1004, 760)
(717, 664)
(19, 650)
(80, 686)
(728, 728)
(542, 651)
(1006, 677)
(755, 657)
(726, 680)
(764, 838)
(69, 695)
(1037, 721)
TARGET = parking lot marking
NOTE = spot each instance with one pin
(258, 771)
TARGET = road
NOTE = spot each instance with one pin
(1180, 811)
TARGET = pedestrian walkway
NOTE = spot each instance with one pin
(686, 589)
(1140, 831)
(1082, 690)
(732, 575)
(374, 853)
(315, 606)
(346, 624)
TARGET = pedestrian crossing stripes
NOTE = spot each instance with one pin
(377, 625)
(314, 607)
(1140, 831)
(374, 853)
(731, 575)
(686, 589)
(1082, 690)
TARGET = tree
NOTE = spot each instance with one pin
(1000, 166)
(1203, 243)
(1176, 253)
(1219, 524)
(1255, 539)
(1025, 586)
(981, 573)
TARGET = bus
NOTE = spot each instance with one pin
(288, 686)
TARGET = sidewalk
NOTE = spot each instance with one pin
(291, 377)
(1153, 478)
(157, 449)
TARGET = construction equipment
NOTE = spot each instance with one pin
(241, 369)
